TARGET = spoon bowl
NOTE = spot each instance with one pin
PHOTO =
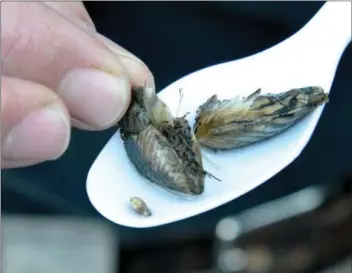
(308, 58)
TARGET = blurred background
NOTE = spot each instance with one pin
(299, 221)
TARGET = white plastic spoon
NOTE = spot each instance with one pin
(310, 57)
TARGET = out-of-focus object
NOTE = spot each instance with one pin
(308, 58)
(57, 245)
(342, 267)
(300, 233)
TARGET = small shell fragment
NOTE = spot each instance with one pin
(140, 207)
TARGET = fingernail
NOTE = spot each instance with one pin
(42, 135)
(94, 97)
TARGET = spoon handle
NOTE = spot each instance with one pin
(322, 41)
(328, 33)
(331, 26)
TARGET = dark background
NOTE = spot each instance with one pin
(174, 39)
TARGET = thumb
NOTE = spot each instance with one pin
(35, 124)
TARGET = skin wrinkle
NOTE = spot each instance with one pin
(74, 11)
(84, 23)
(61, 50)
(21, 43)
(9, 37)
(5, 53)
(20, 28)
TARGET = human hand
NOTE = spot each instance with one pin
(57, 71)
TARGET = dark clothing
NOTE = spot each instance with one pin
(174, 39)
